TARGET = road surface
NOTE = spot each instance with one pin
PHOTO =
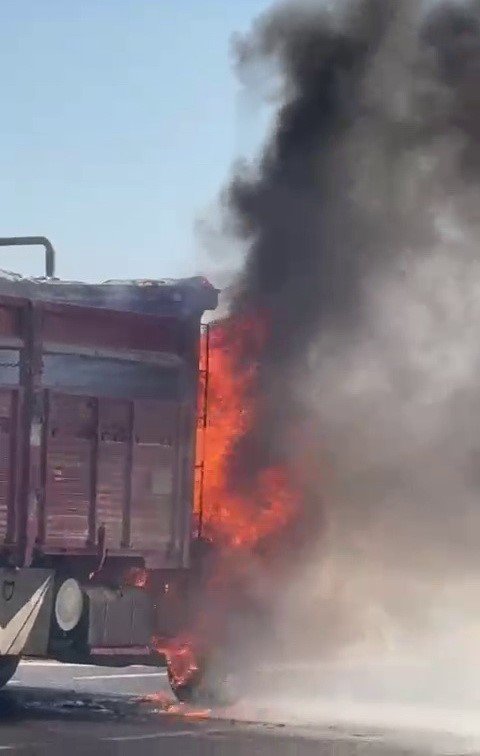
(69, 709)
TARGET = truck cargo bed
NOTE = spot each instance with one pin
(98, 404)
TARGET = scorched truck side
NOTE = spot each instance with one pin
(98, 415)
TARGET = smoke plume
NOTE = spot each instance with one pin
(360, 225)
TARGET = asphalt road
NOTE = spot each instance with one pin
(68, 709)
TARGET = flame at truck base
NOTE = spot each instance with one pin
(237, 517)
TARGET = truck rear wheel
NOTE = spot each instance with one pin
(8, 667)
(208, 684)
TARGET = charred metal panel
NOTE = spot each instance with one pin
(122, 379)
(155, 434)
(68, 491)
(180, 299)
(122, 331)
(112, 468)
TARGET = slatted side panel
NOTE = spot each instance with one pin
(7, 429)
(113, 467)
(153, 467)
(71, 433)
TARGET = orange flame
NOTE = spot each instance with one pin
(182, 657)
(168, 705)
(236, 519)
(136, 577)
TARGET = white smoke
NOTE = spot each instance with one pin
(386, 606)
(380, 626)
(385, 610)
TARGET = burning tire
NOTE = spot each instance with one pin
(8, 667)
(207, 682)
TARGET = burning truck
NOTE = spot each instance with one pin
(99, 393)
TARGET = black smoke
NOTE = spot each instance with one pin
(360, 225)
(377, 121)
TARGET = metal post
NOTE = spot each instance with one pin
(204, 420)
(24, 241)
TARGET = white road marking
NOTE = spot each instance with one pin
(152, 736)
(121, 677)
(52, 663)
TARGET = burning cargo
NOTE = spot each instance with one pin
(98, 419)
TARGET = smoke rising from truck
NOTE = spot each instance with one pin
(360, 229)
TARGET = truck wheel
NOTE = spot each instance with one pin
(8, 667)
(208, 684)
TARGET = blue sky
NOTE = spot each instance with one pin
(120, 120)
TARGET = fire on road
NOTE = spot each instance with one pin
(50, 708)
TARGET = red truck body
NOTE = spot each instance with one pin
(98, 416)
(98, 392)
